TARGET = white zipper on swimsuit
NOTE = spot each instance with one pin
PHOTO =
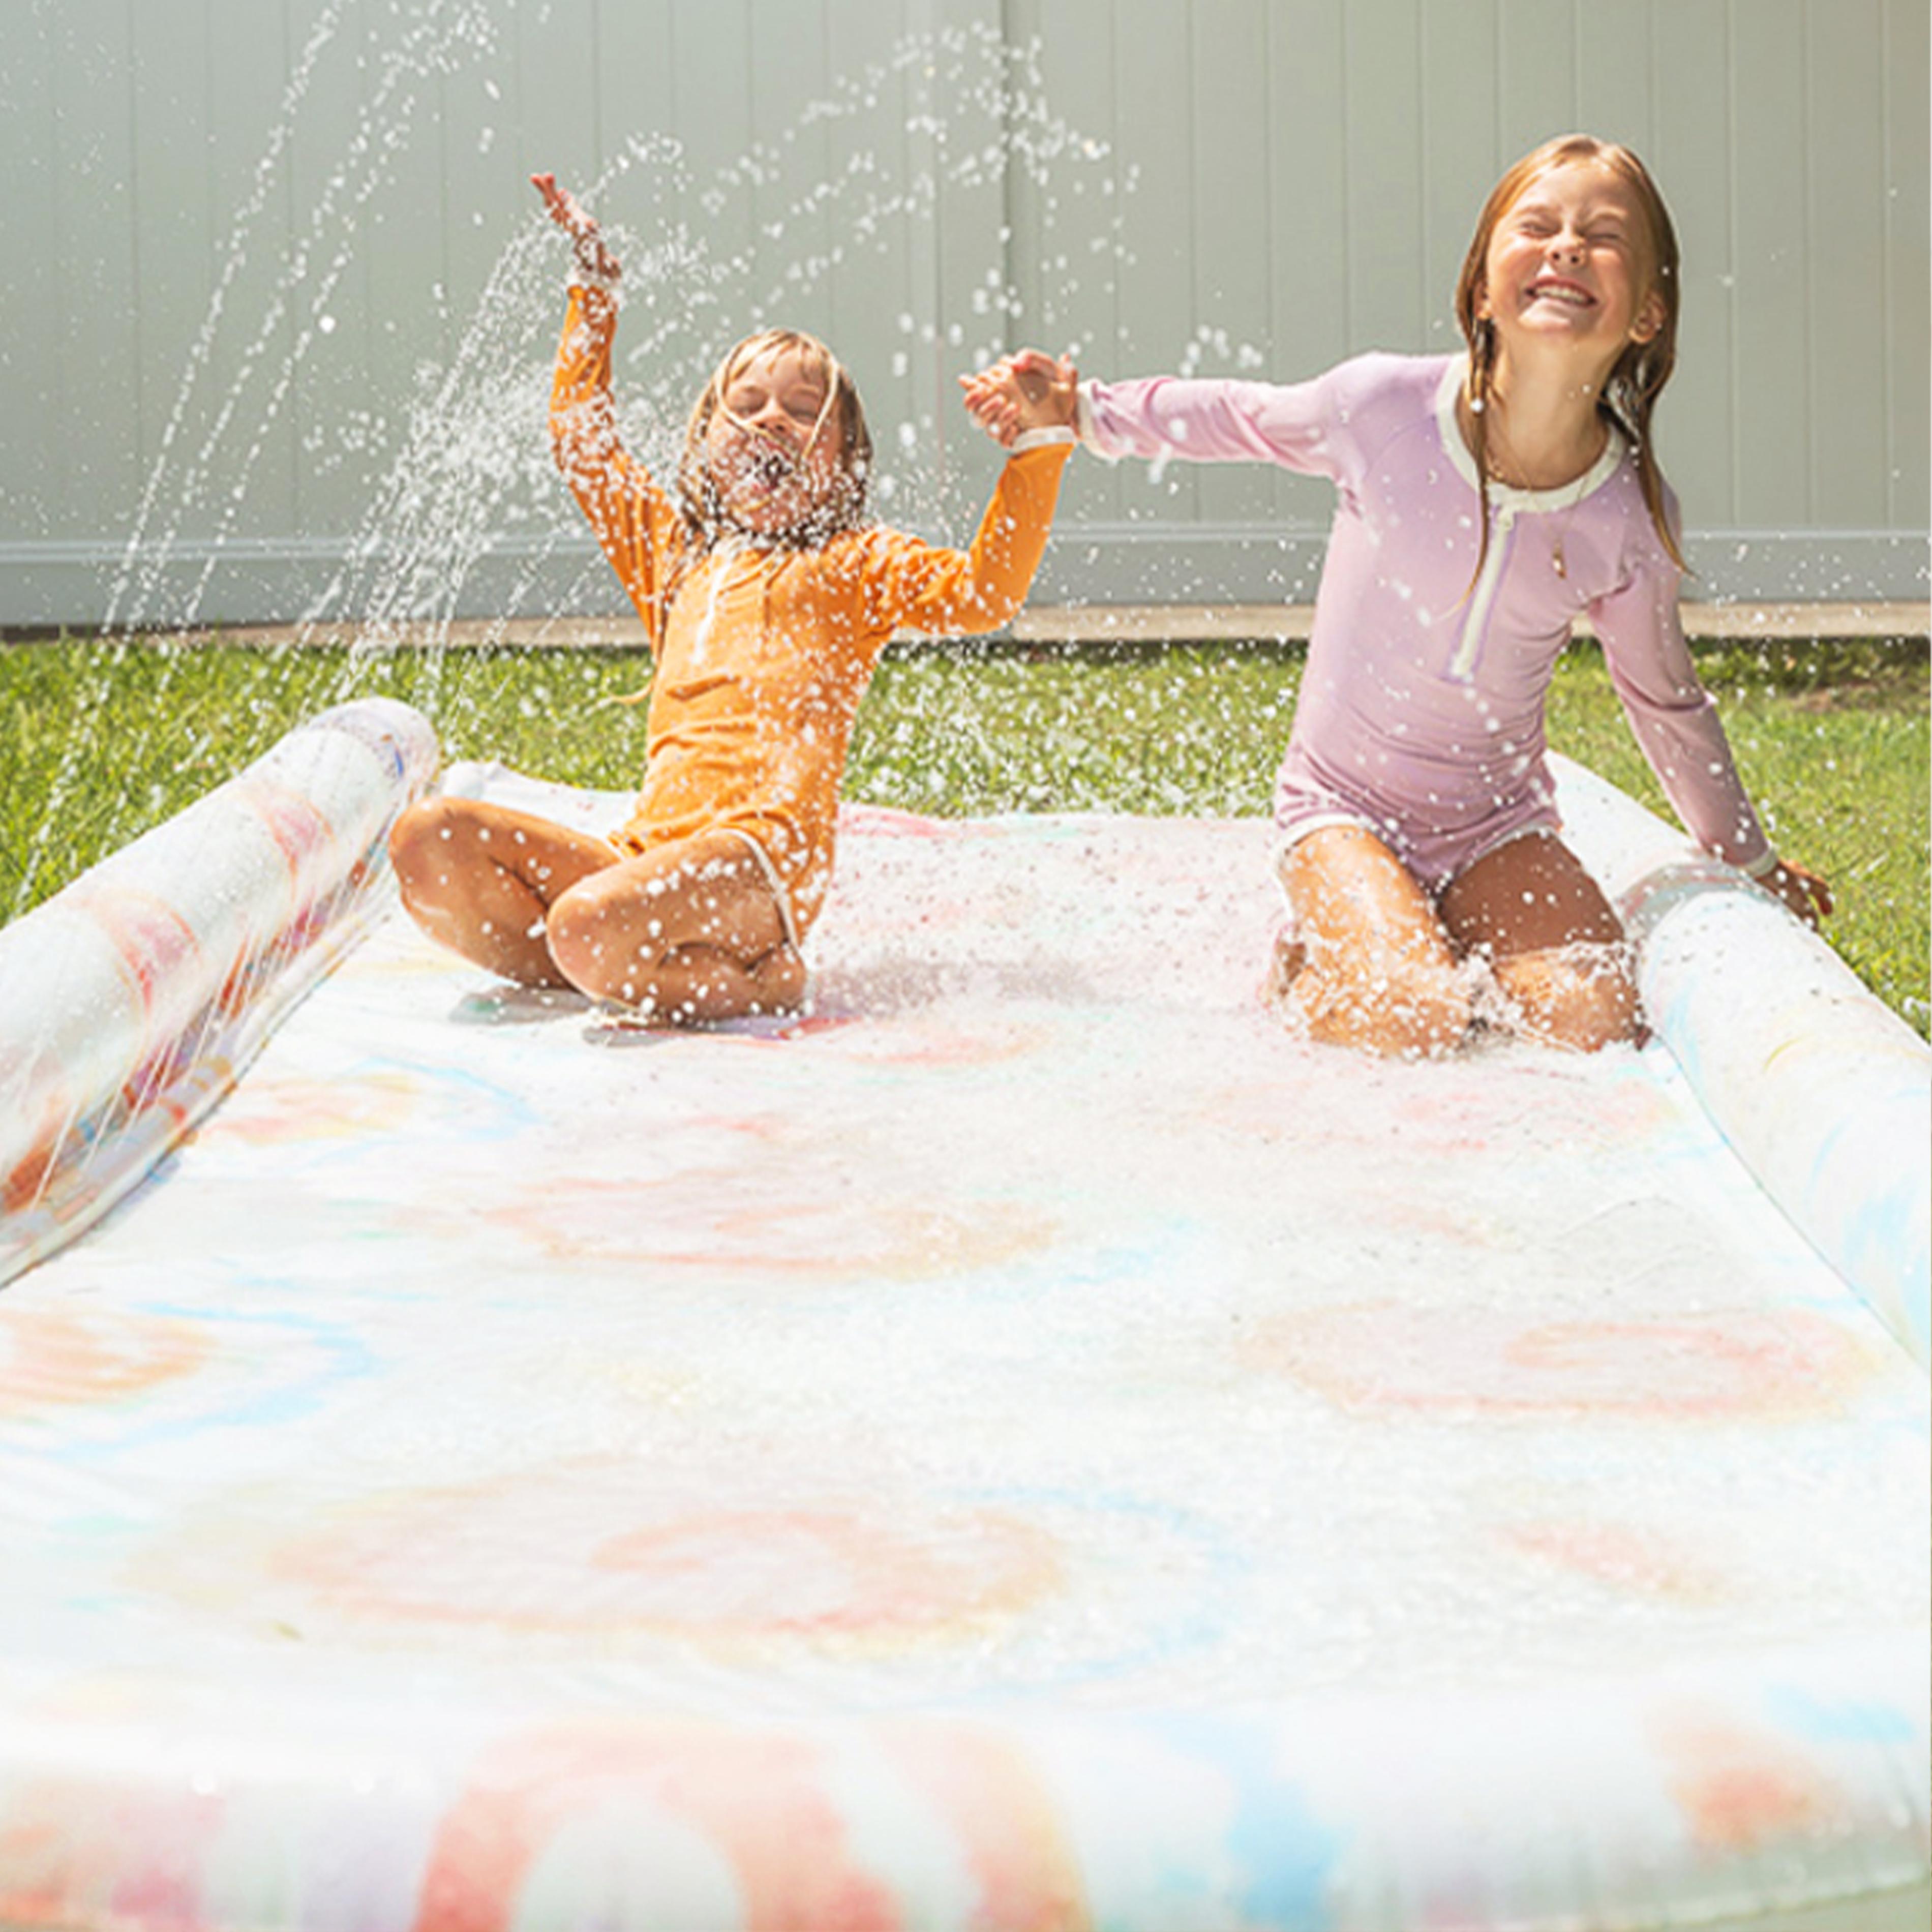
(1507, 502)
(1463, 665)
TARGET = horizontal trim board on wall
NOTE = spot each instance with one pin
(71, 584)
(1104, 563)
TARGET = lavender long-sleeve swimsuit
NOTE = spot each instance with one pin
(1421, 707)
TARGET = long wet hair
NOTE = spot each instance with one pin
(1637, 378)
(842, 415)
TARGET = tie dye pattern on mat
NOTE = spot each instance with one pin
(1026, 1444)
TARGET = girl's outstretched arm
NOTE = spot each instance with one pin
(593, 254)
(921, 586)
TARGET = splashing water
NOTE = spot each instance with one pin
(464, 513)
(458, 507)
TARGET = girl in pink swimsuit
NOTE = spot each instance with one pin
(1485, 501)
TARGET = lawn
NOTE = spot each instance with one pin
(104, 738)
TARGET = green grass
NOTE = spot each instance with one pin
(104, 739)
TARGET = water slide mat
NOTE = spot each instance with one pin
(1027, 1444)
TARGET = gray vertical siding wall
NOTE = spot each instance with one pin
(1309, 171)
(245, 239)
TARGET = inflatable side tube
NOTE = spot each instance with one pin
(1782, 1792)
(130, 1002)
(1825, 1092)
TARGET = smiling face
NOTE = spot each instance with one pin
(772, 444)
(1573, 267)
(1569, 260)
(1570, 265)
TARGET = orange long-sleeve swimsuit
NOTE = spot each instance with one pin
(762, 654)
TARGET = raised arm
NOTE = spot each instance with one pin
(595, 261)
(921, 586)
(634, 522)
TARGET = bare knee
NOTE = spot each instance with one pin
(1419, 1014)
(619, 939)
(421, 843)
(1407, 1008)
(1582, 996)
(411, 834)
(608, 956)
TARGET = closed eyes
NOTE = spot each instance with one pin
(804, 408)
(1540, 228)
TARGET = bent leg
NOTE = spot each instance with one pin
(689, 931)
(481, 879)
(1554, 943)
(1378, 970)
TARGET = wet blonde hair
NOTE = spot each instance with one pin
(1637, 378)
(842, 414)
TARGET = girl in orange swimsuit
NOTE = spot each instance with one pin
(767, 598)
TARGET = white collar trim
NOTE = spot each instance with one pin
(1561, 498)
